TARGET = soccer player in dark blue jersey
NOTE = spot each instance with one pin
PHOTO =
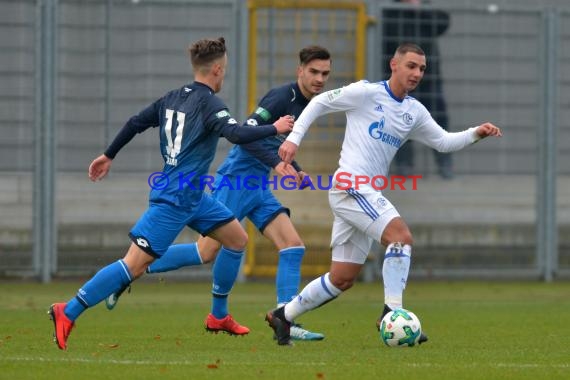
(256, 201)
(191, 120)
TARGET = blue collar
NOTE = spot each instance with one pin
(385, 83)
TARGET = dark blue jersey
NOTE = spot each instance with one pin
(259, 157)
(191, 120)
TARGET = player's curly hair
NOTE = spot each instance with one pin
(310, 53)
(206, 51)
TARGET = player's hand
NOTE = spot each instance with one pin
(305, 180)
(284, 169)
(489, 129)
(99, 168)
(284, 124)
(287, 151)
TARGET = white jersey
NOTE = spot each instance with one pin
(377, 124)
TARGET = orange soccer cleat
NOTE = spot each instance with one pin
(61, 323)
(226, 324)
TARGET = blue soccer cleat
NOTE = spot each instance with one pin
(297, 332)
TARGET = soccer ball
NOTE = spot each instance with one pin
(400, 328)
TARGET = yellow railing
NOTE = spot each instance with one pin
(330, 21)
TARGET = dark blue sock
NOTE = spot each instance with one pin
(288, 273)
(107, 281)
(176, 256)
(225, 272)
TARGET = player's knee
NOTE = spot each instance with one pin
(208, 249)
(397, 231)
(296, 242)
(137, 272)
(136, 269)
(243, 240)
(239, 242)
(290, 242)
(137, 261)
(342, 283)
(208, 255)
(406, 238)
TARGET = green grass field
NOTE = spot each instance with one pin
(477, 331)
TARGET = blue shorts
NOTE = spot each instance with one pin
(161, 223)
(259, 204)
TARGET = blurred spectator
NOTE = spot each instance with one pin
(421, 26)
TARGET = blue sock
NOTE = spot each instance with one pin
(107, 281)
(176, 256)
(288, 273)
(225, 272)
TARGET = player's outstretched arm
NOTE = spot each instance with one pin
(488, 129)
(239, 134)
(287, 151)
(99, 168)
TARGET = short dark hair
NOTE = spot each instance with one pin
(310, 53)
(205, 51)
(409, 47)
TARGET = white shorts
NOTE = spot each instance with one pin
(360, 217)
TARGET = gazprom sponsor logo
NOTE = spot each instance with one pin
(375, 130)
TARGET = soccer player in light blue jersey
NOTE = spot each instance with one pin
(256, 201)
(191, 120)
(380, 117)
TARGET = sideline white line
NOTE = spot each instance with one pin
(96, 361)
(494, 365)
(531, 365)
(124, 362)
(183, 363)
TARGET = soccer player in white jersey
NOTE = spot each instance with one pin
(380, 118)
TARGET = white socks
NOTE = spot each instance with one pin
(316, 293)
(395, 273)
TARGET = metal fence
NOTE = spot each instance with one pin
(73, 71)
(276, 32)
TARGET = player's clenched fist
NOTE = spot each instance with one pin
(284, 124)
(488, 129)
